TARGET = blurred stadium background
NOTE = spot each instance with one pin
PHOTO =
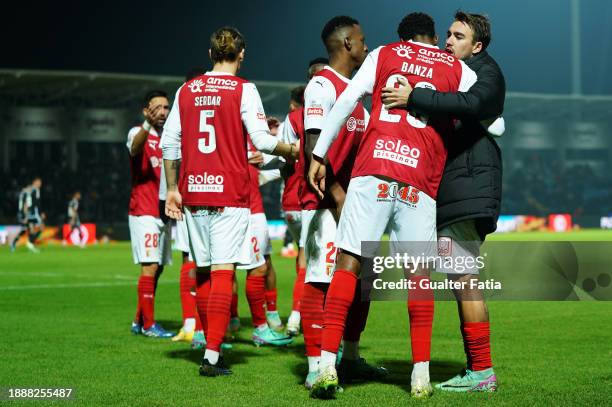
(70, 127)
(71, 83)
(63, 119)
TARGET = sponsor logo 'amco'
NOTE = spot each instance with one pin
(440, 55)
(221, 82)
(397, 151)
(205, 183)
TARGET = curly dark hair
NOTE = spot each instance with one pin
(416, 24)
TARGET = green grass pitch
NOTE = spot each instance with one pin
(65, 317)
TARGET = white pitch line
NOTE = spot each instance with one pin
(29, 273)
(120, 277)
(81, 285)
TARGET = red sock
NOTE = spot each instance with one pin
(313, 301)
(234, 306)
(298, 288)
(357, 316)
(202, 294)
(271, 296)
(219, 302)
(146, 298)
(420, 313)
(337, 303)
(186, 283)
(478, 344)
(256, 296)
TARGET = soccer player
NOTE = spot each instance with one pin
(293, 174)
(470, 191)
(402, 158)
(73, 216)
(22, 214)
(209, 122)
(295, 182)
(35, 217)
(149, 235)
(261, 277)
(271, 294)
(30, 215)
(345, 44)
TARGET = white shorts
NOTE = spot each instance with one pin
(257, 243)
(460, 241)
(151, 240)
(318, 235)
(216, 236)
(294, 224)
(372, 204)
(181, 240)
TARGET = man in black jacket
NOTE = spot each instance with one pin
(469, 197)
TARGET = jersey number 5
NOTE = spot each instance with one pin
(208, 142)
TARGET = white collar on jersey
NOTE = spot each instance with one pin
(218, 73)
(339, 75)
(424, 45)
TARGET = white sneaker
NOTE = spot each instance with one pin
(420, 388)
(293, 324)
(325, 385)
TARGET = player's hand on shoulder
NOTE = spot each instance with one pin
(396, 96)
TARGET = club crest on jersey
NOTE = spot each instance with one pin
(353, 124)
(404, 51)
(155, 162)
(196, 86)
(152, 144)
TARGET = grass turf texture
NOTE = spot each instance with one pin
(66, 313)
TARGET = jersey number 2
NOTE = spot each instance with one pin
(208, 142)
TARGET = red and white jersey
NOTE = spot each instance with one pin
(320, 95)
(255, 198)
(293, 130)
(209, 122)
(396, 144)
(145, 173)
